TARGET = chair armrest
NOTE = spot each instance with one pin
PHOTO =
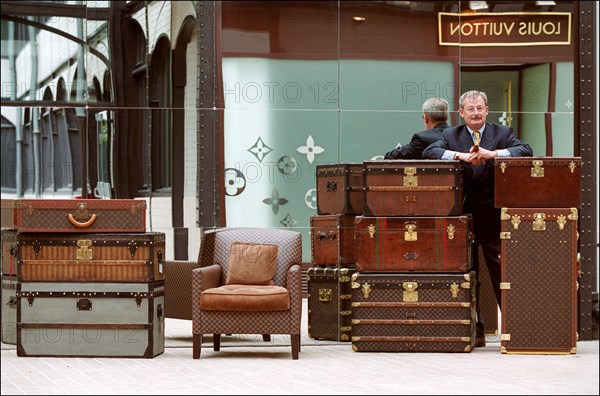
(178, 288)
(294, 285)
(206, 277)
(203, 278)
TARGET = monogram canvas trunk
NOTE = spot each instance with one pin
(420, 244)
(537, 182)
(339, 189)
(332, 240)
(86, 257)
(406, 312)
(79, 215)
(539, 280)
(413, 188)
(90, 319)
(329, 303)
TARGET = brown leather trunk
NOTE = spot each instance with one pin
(329, 303)
(413, 188)
(406, 312)
(539, 280)
(537, 182)
(332, 240)
(420, 244)
(9, 252)
(339, 189)
(79, 215)
(85, 257)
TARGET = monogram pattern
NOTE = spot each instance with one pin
(543, 286)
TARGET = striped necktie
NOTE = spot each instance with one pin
(477, 137)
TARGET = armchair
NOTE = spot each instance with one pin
(249, 282)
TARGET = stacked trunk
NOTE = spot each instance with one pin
(9, 286)
(88, 279)
(414, 290)
(339, 201)
(539, 199)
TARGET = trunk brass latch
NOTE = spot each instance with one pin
(84, 252)
(537, 170)
(325, 295)
(410, 292)
(539, 222)
(410, 235)
(366, 289)
(451, 229)
(410, 180)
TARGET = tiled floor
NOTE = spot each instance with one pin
(251, 366)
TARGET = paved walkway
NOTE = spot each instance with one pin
(324, 368)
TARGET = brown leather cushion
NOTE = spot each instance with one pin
(245, 298)
(251, 264)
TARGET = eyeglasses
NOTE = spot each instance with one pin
(472, 109)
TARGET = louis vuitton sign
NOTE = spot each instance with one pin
(484, 29)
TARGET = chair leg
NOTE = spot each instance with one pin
(217, 342)
(197, 345)
(266, 337)
(295, 345)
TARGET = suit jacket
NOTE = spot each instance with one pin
(478, 180)
(418, 143)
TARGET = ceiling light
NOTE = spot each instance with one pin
(545, 3)
(478, 5)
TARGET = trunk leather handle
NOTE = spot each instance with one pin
(79, 224)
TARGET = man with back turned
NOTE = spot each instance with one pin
(435, 117)
(476, 144)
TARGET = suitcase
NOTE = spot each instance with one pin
(420, 244)
(85, 257)
(539, 280)
(329, 303)
(90, 319)
(332, 240)
(79, 215)
(8, 240)
(9, 309)
(408, 312)
(339, 189)
(537, 182)
(413, 188)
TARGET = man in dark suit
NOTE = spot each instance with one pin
(476, 144)
(435, 116)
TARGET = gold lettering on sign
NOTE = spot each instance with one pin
(504, 29)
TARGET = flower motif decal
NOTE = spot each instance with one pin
(287, 165)
(310, 198)
(310, 149)
(288, 221)
(275, 201)
(235, 182)
(260, 149)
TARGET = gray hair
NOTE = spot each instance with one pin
(436, 109)
(472, 95)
